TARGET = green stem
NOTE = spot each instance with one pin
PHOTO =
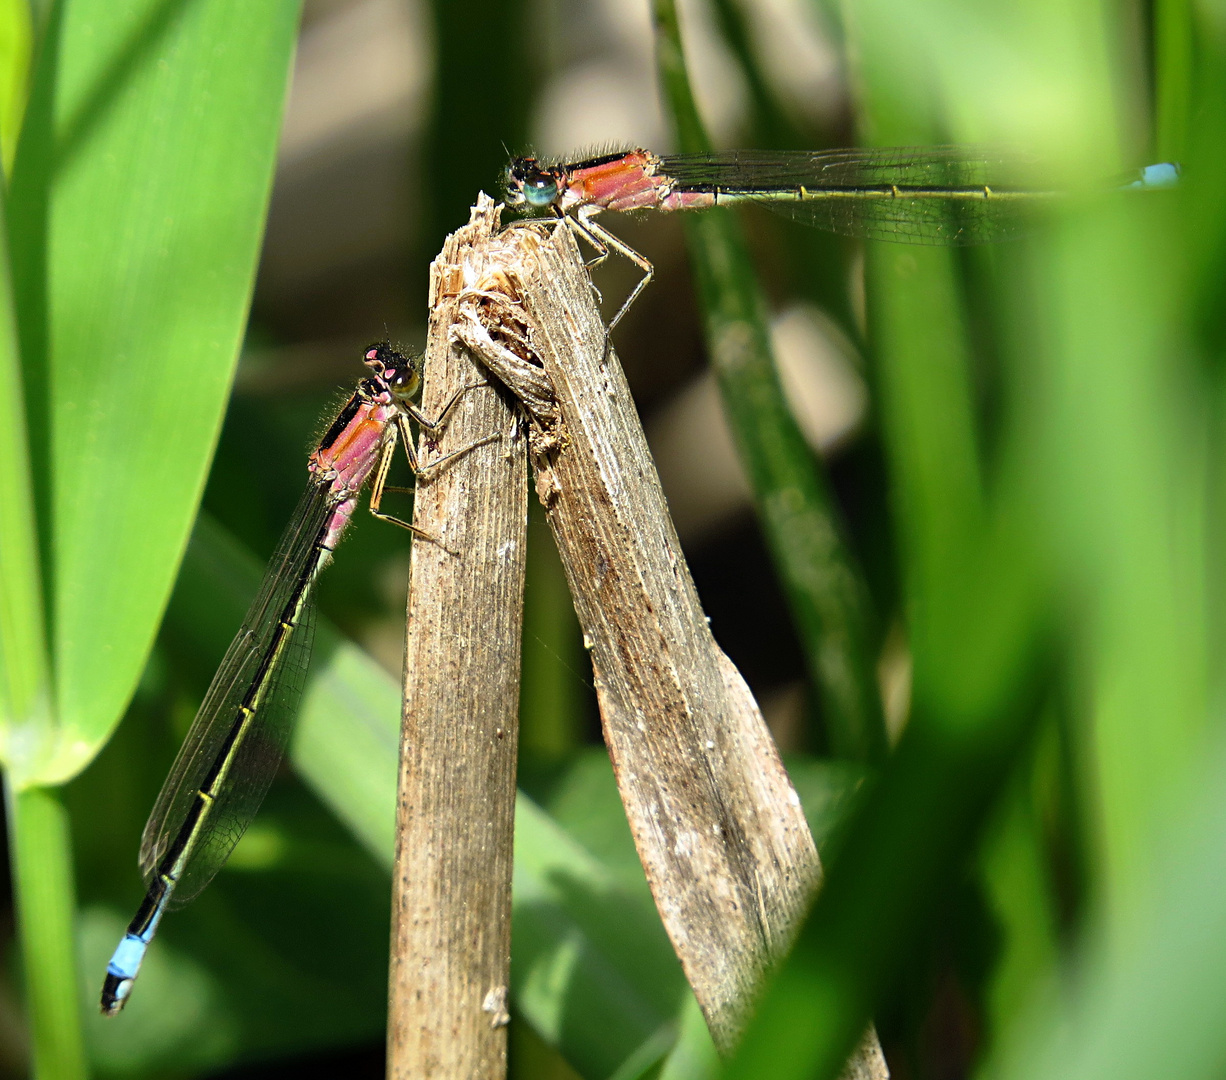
(827, 596)
(41, 852)
(39, 845)
(1174, 45)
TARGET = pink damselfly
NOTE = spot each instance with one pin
(948, 195)
(233, 748)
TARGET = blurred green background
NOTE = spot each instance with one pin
(951, 513)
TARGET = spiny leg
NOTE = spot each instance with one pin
(428, 471)
(421, 472)
(601, 239)
(379, 484)
(435, 427)
(580, 228)
(580, 224)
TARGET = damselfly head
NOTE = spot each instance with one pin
(401, 373)
(528, 181)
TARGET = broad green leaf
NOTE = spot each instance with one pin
(138, 198)
(24, 690)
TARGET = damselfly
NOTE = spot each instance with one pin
(919, 195)
(232, 750)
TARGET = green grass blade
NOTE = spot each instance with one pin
(138, 199)
(816, 262)
(976, 590)
(1148, 1001)
(827, 597)
(1174, 72)
(550, 691)
(486, 72)
(918, 336)
(1125, 443)
(1024, 898)
(919, 344)
(591, 968)
(16, 45)
(898, 856)
(694, 1057)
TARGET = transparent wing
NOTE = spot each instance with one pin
(921, 195)
(235, 755)
(253, 765)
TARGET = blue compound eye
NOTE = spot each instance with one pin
(540, 190)
(528, 181)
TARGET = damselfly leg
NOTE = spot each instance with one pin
(585, 225)
(426, 472)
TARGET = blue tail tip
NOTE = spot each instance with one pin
(115, 992)
(1163, 174)
(121, 972)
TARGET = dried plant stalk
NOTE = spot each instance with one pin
(717, 823)
(451, 914)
